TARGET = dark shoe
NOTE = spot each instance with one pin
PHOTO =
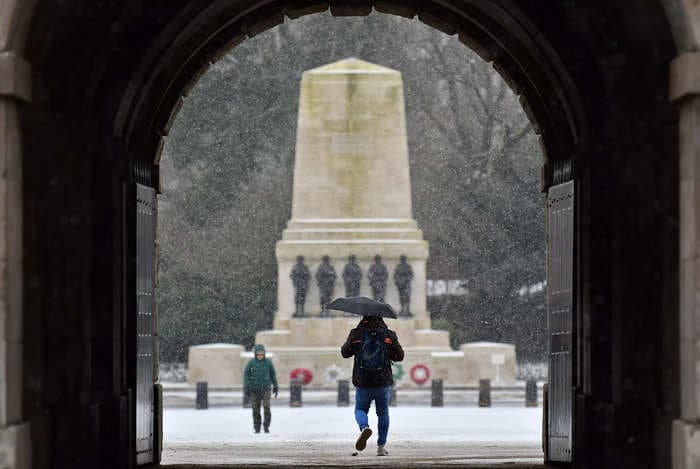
(361, 442)
(257, 430)
(267, 429)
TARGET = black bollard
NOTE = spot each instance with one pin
(246, 399)
(484, 393)
(436, 399)
(343, 393)
(202, 400)
(531, 393)
(295, 393)
(392, 397)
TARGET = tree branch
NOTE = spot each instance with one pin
(438, 123)
(515, 139)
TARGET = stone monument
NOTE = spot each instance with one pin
(352, 202)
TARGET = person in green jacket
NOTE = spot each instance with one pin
(258, 376)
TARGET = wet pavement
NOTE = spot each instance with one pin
(320, 436)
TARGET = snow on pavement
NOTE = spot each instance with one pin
(436, 424)
(312, 436)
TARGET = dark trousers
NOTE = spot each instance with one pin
(257, 398)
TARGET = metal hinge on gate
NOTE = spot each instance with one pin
(556, 172)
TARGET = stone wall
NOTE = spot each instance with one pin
(15, 88)
(685, 93)
(221, 364)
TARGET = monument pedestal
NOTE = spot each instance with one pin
(314, 343)
(332, 332)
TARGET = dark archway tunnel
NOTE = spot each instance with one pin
(108, 78)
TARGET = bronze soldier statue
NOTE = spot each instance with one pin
(377, 278)
(325, 278)
(403, 274)
(352, 275)
(300, 276)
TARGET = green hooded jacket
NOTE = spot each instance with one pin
(259, 375)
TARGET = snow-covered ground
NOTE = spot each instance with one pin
(314, 435)
(183, 395)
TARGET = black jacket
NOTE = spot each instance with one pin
(352, 346)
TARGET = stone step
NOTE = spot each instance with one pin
(352, 223)
(350, 234)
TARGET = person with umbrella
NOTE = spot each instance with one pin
(374, 347)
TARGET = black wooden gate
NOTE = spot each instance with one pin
(145, 324)
(560, 268)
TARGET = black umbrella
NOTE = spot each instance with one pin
(362, 306)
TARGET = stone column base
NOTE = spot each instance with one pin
(15, 447)
(686, 445)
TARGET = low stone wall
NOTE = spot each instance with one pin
(222, 364)
(217, 364)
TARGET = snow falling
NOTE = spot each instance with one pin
(227, 172)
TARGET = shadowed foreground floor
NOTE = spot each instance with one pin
(316, 454)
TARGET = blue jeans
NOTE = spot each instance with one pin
(363, 399)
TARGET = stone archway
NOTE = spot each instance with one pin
(166, 74)
(179, 56)
(107, 79)
(15, 88)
